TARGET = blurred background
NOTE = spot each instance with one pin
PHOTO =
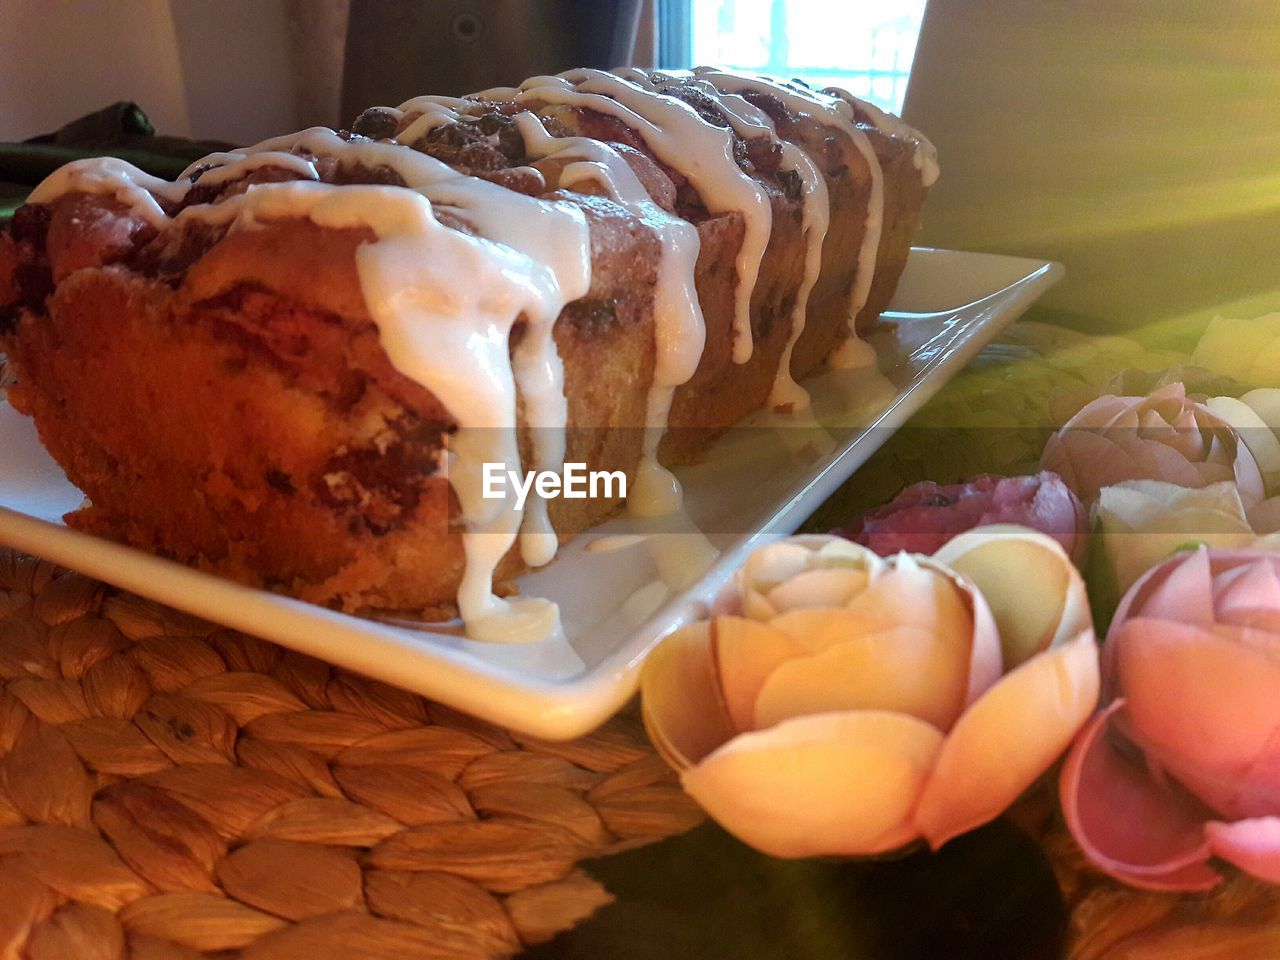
(1137, 142)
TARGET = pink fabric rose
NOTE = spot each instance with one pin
(925, 516)
(1184, 764)
(1162, 436)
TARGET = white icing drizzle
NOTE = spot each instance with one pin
(531, 258)
(431, 112)
(749, 121)
(853, 354)
(679, 330)
(457, 346)
(231, 166)
(110, 176)
(926, 154)
(429, 120)
(700, 151)
(832, 112)
(553, 234)
(434, 101)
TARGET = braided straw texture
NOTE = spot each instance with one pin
(169, 788)
(1240, 920)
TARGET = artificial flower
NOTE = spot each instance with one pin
(1248, 350)
(1162, 436)
(1141, 522)
(925, 516)
(851, 704)
(1184, 763)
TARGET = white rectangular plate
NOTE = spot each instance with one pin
(619, 591)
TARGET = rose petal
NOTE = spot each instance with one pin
(1252, 845)
(1231, 795)
(831, 783)
(1035, 593)
(1247, 594)
(1180, 590)
(1053, 510)
(1008, 738)
(1141, 503)
(1195, 695)
(902, 669)
(910, 593)
(1145, 521)
(745, 652)
(1087, 462)
(1265, 402)
(1102, 412)
(683, 712)
(1249, 477)
(1159, 461)
(1257, 436)
(833, 551)
(829, 587)
(1264, 518)
(919, 591)
(1146, 834)
(1258, 791)
(756, 605)
(769, 565)
(1170, 398)
(1190, 524)
(1056, 458)
(1262, 636)
(815, 629)
(772, 565)
(986, 661)
(1179, 431)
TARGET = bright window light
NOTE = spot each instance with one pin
(866, 48)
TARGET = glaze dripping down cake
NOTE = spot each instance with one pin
(290, 365)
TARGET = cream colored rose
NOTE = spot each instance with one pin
(1255, 418)
(854, 704)
(1141, 522)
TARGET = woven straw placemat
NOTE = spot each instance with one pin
(173, 789)
(170, 788)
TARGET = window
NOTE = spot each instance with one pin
(866, 48)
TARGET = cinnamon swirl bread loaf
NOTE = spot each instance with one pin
(291, 365)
